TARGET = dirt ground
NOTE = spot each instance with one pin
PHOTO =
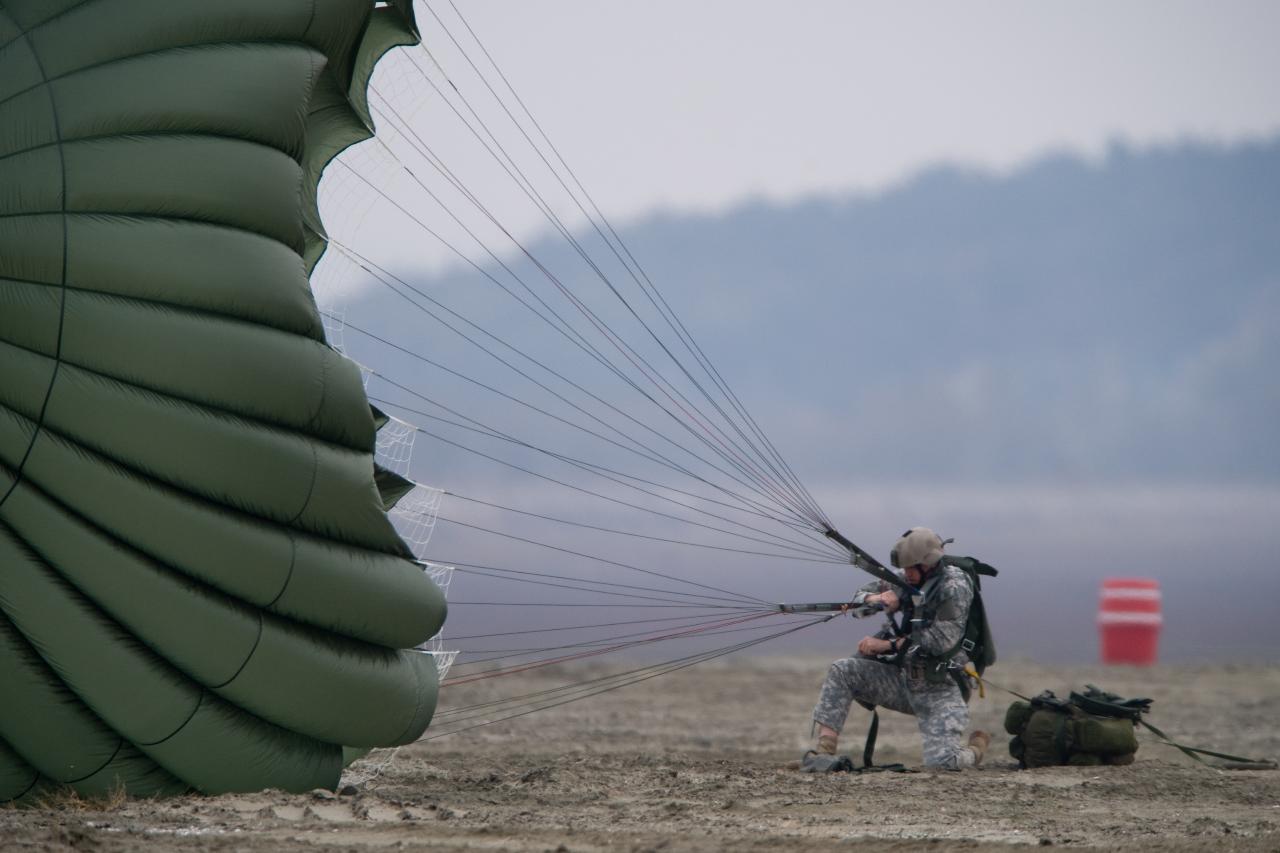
(697, 760)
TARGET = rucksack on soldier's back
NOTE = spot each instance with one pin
(1090, 728)
(977, 639)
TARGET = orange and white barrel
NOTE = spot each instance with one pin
(1129, 620)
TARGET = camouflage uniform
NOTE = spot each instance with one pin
(937, 703)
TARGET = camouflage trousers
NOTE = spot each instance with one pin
(939, 709)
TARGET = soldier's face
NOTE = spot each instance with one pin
(915, 574)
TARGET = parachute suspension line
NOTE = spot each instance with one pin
(432, 514)
(426, 511)
(600, 357)
(679, 469)
(511, 654)
(448, 370)
(731, 458)
(734, 605)
(512, 575)
(600, 327)
(682, 606)
(633, 534)
(564, 327)
(403, 466)
(643, 453)
(334, 317)
(703, 626)
(498, 434)
(465, 712)
(488, 570)
(615, 244)
(391, 456)
(571, 552)
(498, 673)
(665, 460)
(514, 655)
(597, 470)
(657, 457)
(563, 628)
(386, 278)
(795, 546)
(691, 621)
(543, 700)
(607, 498)
(428, 514)
(625, 349)
(619, 343)
(425, 151)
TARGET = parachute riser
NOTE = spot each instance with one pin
(868, 563)
(857, 608)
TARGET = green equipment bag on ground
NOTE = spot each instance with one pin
(1089, 728)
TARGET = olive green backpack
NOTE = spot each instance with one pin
(1089, 728)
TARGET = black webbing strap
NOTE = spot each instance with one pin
(869, 750)
(1235, 762)
(1060, 738)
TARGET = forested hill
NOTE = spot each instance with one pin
(1080, 319)
(1074, 320)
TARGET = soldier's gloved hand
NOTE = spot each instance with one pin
(872, 646)
(888, 600)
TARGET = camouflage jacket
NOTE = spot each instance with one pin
(944, 606)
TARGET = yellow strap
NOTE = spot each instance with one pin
(970, 671)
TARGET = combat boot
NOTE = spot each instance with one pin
(824, 758)
(978, 742)
(823, 762)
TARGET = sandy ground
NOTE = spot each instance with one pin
(697, 761)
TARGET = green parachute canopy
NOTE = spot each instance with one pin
(199, 585)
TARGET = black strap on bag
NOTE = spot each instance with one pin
(1095, 700)
(1100, 703)
(1233, 762)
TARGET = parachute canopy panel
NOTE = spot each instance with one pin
(185, 464)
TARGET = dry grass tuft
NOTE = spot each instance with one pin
(67, 799)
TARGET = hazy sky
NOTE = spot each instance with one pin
(672, 103)
(698, 106)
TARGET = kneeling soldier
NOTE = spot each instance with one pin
(920, 672)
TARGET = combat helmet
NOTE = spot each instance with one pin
(919, 545)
